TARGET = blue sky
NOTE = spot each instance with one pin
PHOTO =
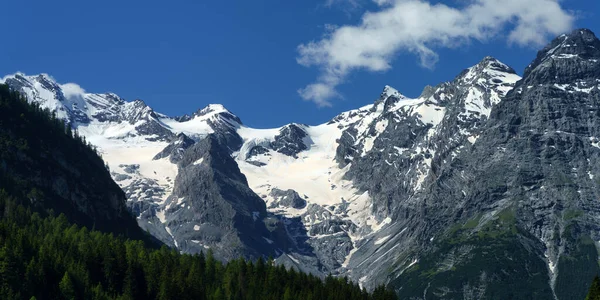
(179, 56)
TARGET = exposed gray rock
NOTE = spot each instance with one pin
(524, 192)
(256, 150)
(121, 177)
(213, 207)
(291, 140)
(174, 151)
(130, 169)
(256, 163)
(405, 159)
(288, 198)
(224, 125)
(330, 240)
(346, 150)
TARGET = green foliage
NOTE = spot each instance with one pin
(67, 288)
(47, 258)
(493, 255)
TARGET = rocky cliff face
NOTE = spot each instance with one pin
(523, 198)
(400, 141)
(212, 206)
(483, 182)
(408, 142)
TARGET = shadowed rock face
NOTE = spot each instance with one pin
(213, 207)
(525, 192)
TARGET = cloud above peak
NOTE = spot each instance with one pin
(419, 27)
(72, 90)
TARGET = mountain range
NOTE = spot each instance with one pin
(481, 183)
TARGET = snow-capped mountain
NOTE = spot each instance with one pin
(311, 178)
(377, 193)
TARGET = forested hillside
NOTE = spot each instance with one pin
(48, 258)
(46, 165)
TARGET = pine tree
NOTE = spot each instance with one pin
(67, 288)
(287, 295)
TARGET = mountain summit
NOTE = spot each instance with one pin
(567, 58)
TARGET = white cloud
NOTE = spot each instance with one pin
(320, 93)
(72, 90)
(418, 27)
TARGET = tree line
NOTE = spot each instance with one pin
(49, 258)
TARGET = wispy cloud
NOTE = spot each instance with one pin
(351, 3)
(419, 27)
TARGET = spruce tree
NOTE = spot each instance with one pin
(67, 288)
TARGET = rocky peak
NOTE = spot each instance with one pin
(216, 112)
(136, 111)
(20, 82)
(44, 90)
(43, 77)
(211, 151)
(389, 97)
(488, 69)
(491, 63)
(211, 108)
(428, 91)
(183, 118)
(291, 140)
(111, 98)
(389, 91)
(536, 158)
(223, 212)
(568, 58)
(478, 89)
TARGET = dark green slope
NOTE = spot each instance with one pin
(47, 258)
(45, 165)
(480, 263)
